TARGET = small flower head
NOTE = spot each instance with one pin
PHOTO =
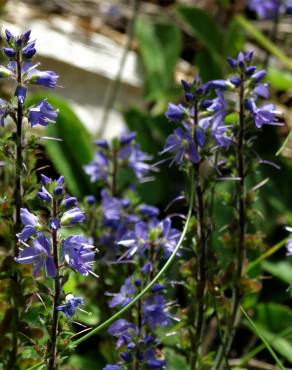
(78, 254)
(71, 305)
(43, 78)
(42, 114)
(39, 254)
(73, 216)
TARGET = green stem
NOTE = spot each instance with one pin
(240, 252)
(52, 344)
(155, 279)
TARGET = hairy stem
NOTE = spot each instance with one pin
(201, 263)
(240, 251)
(52, 345)
(15, 279)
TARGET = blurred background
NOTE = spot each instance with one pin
(121, 62)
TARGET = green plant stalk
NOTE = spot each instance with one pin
(263, 339)
(240, 252)
(15, 279)
(52, 344)
(197, 338)
(154, 280)
(264, 41)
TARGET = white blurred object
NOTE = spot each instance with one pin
(86, 65)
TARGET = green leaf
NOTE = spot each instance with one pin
(74, 151)
(279, 79)
(287, 141)
(268, 45)
(174, 360)
(205, 28)
(266, 339)
(234, 39)
(281, 270)
(160, 46)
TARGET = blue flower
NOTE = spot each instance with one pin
(43, 78)
(152, 362)
(9, 52)
(147, 210)
(267, 9)
(30, 222)
(69, 202)
(136, 162)
(112, 207)
(29, 50)
(289, 247)
(90, 199)
(181, 144)
(154, 311)
(42, 114)
(176, 113)
(124, 331)
(21, 93)
(78, 254)
(3, 110)
(98, 169)
(39, 254)
(263, 115)
(242, 60)
(71, 305)
(73, 216)
(112, 367)
(124, 296)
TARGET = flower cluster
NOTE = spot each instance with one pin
(202, 118)
(270, 9)
(146, 245)
(111, 157)
(20, 51)
(39, 237)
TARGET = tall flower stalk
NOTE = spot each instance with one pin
(250, 88)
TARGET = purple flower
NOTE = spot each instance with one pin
(136, 240)
(242, 60)
(154, 311)
(42, 114)
(112, 207)
(9, 52)
(21, 93)
(39, 254)
(90, 199)
(267, 9)
(262, 91)
(168, 236)
(289, 247)
(124, 331)
(137, 163)
(43, 78)
(147, 210)
(3, 109)
(29, 50)
(176, 113)
(263, 115)
(73, 216)
(151, 361)
(98, 169)
(71, 305)
(78, 254)
(30, 222)
(127, 138)
(9, 36)
(69, 202)
(112, 367)
(124, 296)
(181, 144)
